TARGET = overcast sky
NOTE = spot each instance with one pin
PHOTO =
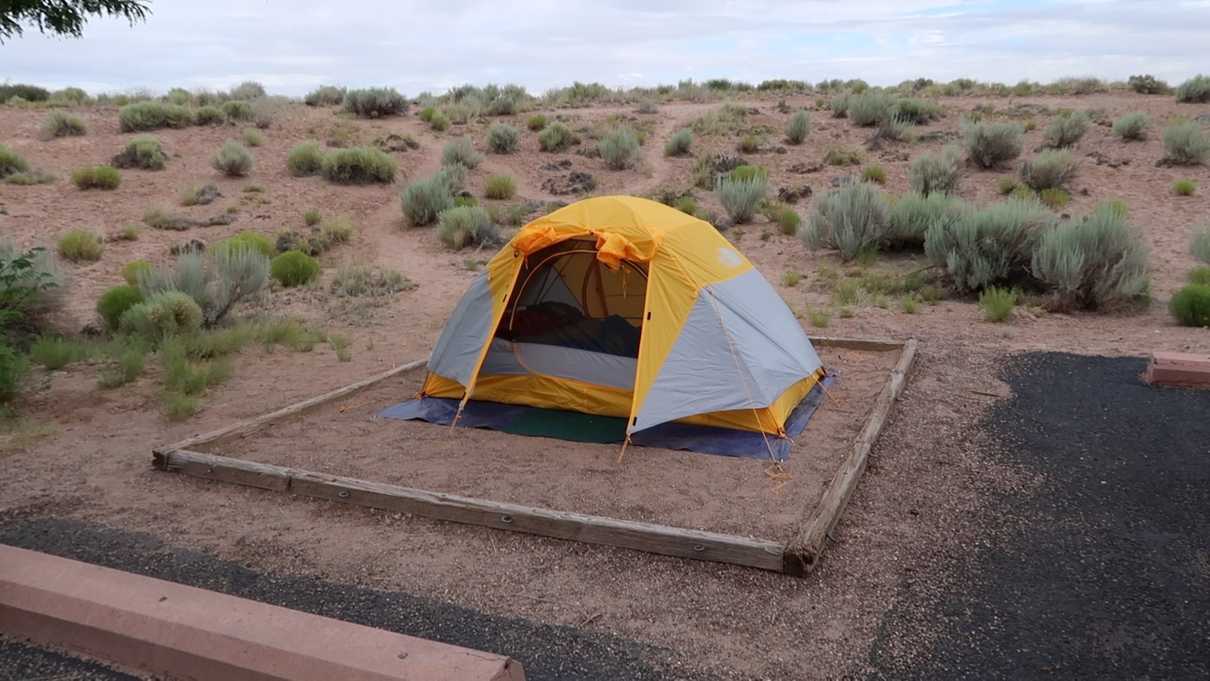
(414, 46)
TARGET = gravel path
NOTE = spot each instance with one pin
(22, 662)
(1100, 570)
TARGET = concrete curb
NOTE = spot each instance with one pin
(168, 628)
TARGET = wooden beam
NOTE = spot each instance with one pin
(1179, 369)
(661, 539)
(867, 344)
(252, 424)
(804, 548)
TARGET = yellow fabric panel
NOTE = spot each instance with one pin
(536, 390)
(771, 419)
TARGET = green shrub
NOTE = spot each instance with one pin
(29, 93)
(32, 286)
(790, 279)
(252, 137)
(997, 303)
(375, 102)
(1065, 130)
(312, 217)
(988, 246)
(245, 240)
(852, 220)
(870, 108)
(750, 143)
(1191, 305)
(913, 214)
(1050, 169)
(500, 187)
(126, 233)
(679, 143)
(358, 165)
(54, 352)
(1094, 262)
(461, 152)
(619, 148)
(1196, 90)
(839, 106)
(81, 245)
(1132, 126)
(236, 110)
(741, 197)
(917, 111)
(96, 177)
(555, 137)
(151, 115)
(439, 121)
(535, 122)
(1148, 85)
(294, 268)
(216, 282)
(875, 174)
(424, 200)
(12, 372)
(1200, 247)
(990, 145)
(1185, 144)
(249, 89)
(11, 163)
(337, 230)
(209, 115)
(788, 220)
(164, 314)
(141, 152)
(502, 138)
(936, 173)
(466, 226)
(748, 172)
(1184, 187)
(798, 127)
(135, 270)
(895, 128)
(362, 280)
(325, 95)
(842, 157)
(1054, 198)
(115, 301)
(62, 124)
(1200, 275)
(305, 159)
(232, 159)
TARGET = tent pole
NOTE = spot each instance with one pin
(622, 452)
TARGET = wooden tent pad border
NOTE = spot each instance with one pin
(797, 556)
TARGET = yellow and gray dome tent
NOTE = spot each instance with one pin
(623, 307)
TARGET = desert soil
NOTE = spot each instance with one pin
(915, 515)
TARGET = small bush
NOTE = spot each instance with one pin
(465, 226)
(741, 197)
(500, 187)
(798, 127)
(11, 163)
(1185, 144)
(535, 122)
(216, 282)
(1051, 169)
(679, 143)
(988, 246)
(29, 93)
(245, 240)
(12, 372)
(439, 121)
(152, 115)
(1191, 305)
(209, 115)
(325, 95)
(305, 159)
(375, 102)
(249, 89)
(875, 174)
(750, 143)
(164, 314)
(936, 173)
(1148, 85)
(748, 172)
(997, 303)
(820, 318)
(1054, 198)
(912, 215)
(555, 138)
(790, 279)
(502, 138)
(236, 110)
(1093, 262)
(338, 230)
(461, 152)
(990, 145)
(32, 286)
(294, 268)
(232, 159)
(252, 137)
(1196, 90)
(619, 148)
(1131, 127)
(788, 221)
(96, 177)
(1065, 130)
(55, 353)
(1184, 187)
(312, 217)
(917, 111)
(142, 152)
(852, 220)
(364, 281)
(1200, 275)
(358, 165)
(81, 245)
(1200, 247)
(424, 200)
(842, 157)
(135, 270)
(62, 124)
(870, 108)
(115, 301)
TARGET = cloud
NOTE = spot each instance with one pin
(425, 45)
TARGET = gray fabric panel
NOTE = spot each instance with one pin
(740, 348)
(469, 326)
(597, 368)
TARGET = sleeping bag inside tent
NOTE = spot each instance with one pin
(621, 319)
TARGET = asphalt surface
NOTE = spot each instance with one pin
(22, 662)
(1103, 572)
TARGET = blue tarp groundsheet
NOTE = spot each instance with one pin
(577, 427)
